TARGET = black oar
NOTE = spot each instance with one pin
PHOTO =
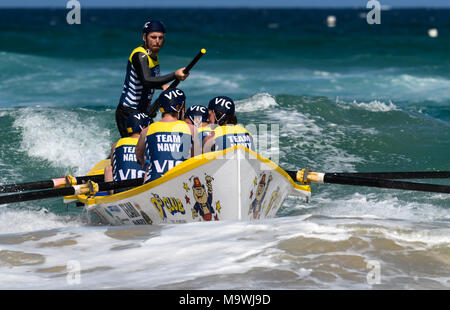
(53, 183)
(305, 176)
(175, 83)
(72, 190)
(399, 175)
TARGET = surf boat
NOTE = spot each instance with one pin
(233, 184)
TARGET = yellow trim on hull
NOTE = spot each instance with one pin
(99, 167)
(186, 166)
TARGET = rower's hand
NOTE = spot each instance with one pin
(180, 75)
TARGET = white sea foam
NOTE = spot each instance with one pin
(212, 82)
(321, 141)
(207, 249)
(62, 138)
(373, 106)
(381, 205)
(419, 88)
(216, 255)
(257, 102)
(17, 221)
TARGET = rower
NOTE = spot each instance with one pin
(123, 159)
(227, 133)
(143, 75)
(167, 142)
(197, 115)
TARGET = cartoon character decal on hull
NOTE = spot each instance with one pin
(259, 194)
(275, 201)
(203, 207)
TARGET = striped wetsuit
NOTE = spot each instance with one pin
(167, 145)
(134, 94)
(141, 80)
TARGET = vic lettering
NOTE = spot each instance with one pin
(174, 93)
(222, 102)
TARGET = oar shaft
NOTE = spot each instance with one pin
(29, 186)
(189, 66)
(106, 186)
(67, 191)
(53, 183)
(175, 83)
(49, 193)
(384, 183)
(399, 175)
(335, 178)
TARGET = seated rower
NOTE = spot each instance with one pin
(169, 142)
(227, 133)
(123, 159)
(197, 115)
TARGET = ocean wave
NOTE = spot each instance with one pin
(257, 102)
(380, 204)
(211, 82)
(372, 106)
(14, 221)
(64, 138)
(317, 143)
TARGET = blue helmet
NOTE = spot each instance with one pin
(222, 104)
(137, 121)
(170, 99)
(154, 26)
(197, 110)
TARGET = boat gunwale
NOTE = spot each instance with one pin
(183, 167)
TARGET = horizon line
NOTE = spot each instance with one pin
(384, 7)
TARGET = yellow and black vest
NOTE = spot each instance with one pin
(134, 94)
(231, 135)
(124, 161)
(167, 145)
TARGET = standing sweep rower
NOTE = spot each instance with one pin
(143, 75)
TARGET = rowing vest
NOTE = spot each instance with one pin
(203, 132)
(231, 135)
(125, 166)
(167, 145)
(134, 94)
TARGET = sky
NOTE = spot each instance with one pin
(224, 3)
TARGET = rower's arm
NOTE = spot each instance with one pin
(140, 148)
(111, 154)
(208, 143)
(140, 64)
(196, 147)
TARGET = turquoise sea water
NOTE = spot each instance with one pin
(354, 97)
